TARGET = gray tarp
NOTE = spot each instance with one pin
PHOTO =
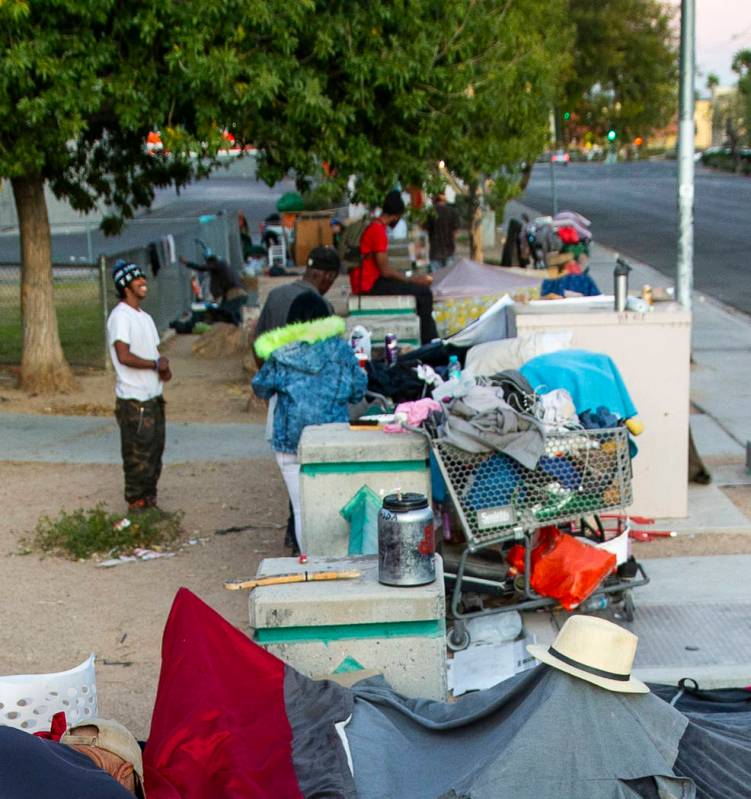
(471, 279)
(540, 735)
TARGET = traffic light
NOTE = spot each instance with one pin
(567, 115)
(611, 135)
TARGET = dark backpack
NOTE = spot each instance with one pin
(349, 242)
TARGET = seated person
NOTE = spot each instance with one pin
(377, 277)
(226, 287)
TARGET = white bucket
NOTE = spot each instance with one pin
(28, 701)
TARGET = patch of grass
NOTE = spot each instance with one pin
(83, 533)
(79, 317)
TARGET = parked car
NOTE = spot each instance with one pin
(560, 157)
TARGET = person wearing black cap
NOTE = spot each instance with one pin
(376, 276)
(140, 373)
(321, 270)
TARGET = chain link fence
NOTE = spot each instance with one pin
(84, 293)
(78, 293)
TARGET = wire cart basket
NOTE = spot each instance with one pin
(581, 474)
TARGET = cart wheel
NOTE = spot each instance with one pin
(628, 606)
(457, 637)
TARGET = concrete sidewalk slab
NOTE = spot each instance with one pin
(709, 511)
(79, 439)
(715, 445)
(693, 620)
(731, 474)
(720, 386)
(696, 579)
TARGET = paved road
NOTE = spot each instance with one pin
(633, 209)
(171, 213)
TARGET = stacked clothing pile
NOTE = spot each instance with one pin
(548, 442)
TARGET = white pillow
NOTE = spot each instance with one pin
(512, 353)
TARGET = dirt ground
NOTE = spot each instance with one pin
(202, 390)
(56, 612)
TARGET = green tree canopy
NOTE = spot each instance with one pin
(381, 90)
(400, 86)
(393, 86)
(742, 67)
(625, 74)
(81, 84)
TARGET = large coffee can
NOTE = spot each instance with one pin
(406, 540)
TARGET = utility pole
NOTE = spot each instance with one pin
(553, 187)
(553, 149)
(685, 266)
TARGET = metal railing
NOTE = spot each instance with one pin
(78, 294)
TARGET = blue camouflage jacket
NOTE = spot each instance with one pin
(314, 374)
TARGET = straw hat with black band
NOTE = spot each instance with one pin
(595, 650)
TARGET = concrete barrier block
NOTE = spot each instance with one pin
(406, 327)
(363, 303)
(321, 627)
(336, 461)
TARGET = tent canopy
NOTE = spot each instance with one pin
(469, 279)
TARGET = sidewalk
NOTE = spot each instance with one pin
(693, 620)
(83, 439)
(720, 396)
(694, 617)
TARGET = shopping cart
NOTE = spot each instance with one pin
(581, 474)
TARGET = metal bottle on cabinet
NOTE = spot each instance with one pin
(620, 283)
(406, 540)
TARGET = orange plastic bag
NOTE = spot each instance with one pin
(564, 567)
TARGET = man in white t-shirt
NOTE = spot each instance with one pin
(140, 373)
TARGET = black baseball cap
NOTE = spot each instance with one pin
(393, 203)
(324, 258)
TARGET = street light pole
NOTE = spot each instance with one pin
(553, 187)
(685, 266)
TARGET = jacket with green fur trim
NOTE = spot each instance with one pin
(314, 374)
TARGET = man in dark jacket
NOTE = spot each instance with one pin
(225, 286)
(442, 225)
(321, 270)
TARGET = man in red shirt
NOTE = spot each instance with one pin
(376, 276)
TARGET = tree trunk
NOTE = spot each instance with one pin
(475, 224)
(44, 369)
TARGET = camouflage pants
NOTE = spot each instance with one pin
(141, 444)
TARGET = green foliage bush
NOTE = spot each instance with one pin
(82, 533)
(324, 196)
(725, 162)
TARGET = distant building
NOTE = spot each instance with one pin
(667, 138)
